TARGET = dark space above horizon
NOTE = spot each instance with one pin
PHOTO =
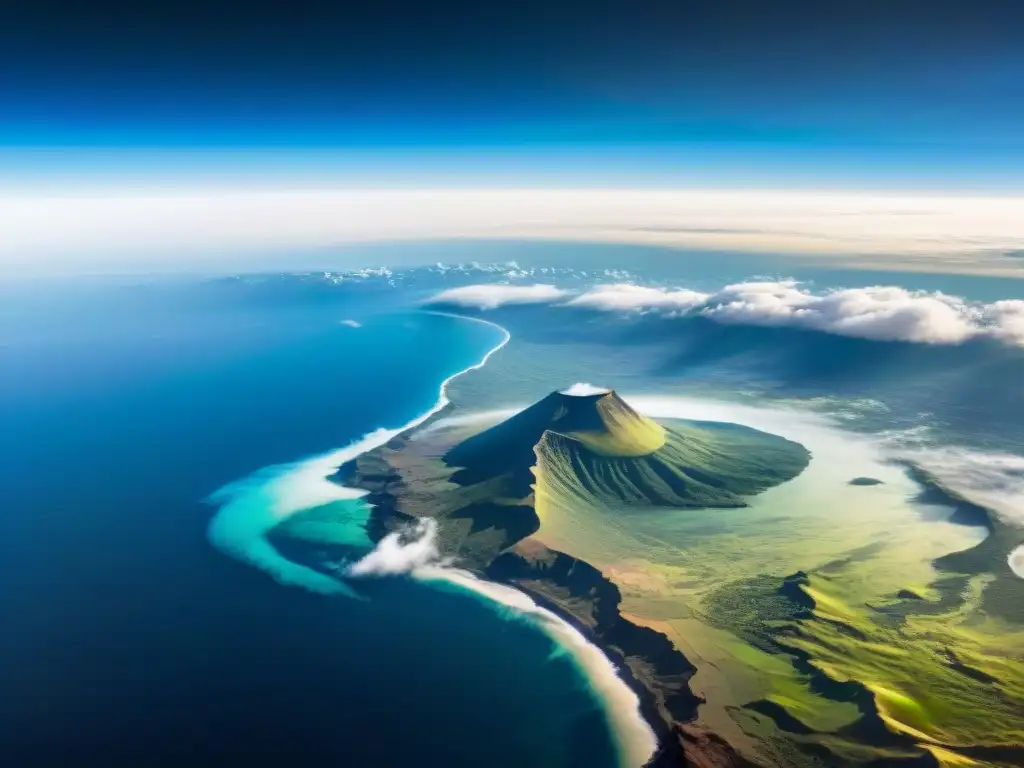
(400, 74)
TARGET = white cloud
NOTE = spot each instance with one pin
(990, 479)
(625, 297)
(1007, 319)
(496, 295)
(401, 552)
(1016, 561)
(582, 389)
(880, 313)
(352, 323)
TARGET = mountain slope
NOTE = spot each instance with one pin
(493, 492)
(597, 449)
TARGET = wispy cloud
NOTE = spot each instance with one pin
(142, 227)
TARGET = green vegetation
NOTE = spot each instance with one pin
(879, 647)
(942, 676)
(953, 680)
(598, 451)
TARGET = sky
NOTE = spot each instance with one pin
(171, 134)
(897, 94)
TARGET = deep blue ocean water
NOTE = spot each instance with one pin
(128, 639)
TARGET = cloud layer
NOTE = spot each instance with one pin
(880, 313)
(137, 228)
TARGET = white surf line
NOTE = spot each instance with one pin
(506, 336)
(635, 740)
(252, 506)
(416, 553)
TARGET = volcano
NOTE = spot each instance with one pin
(489, 489)
(506, 498)
(601, 423)
(596, 449)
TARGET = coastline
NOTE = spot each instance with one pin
(672, 714)
(644, 737)
(255, 504)
(639, 676)
(627, 709)
(644, 660)
(684, 740)
(630, 744)
(250, 507)
(680, 742)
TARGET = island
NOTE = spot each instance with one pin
(755, 626)
(493, 490)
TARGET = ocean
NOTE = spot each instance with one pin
(130, 639)
(156, 430)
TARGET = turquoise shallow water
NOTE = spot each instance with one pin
(136, 640)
